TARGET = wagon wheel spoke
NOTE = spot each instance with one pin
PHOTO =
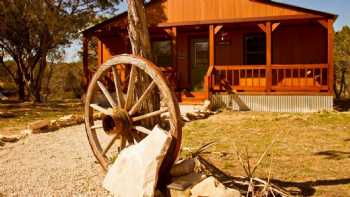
(109, 145)
(144, 96)
(136, 137)
(97, 127)
(106, 93)
(131, 87)
(122, 144)
(142, 129)
(149, 115)
(101, 109)
(117, 85)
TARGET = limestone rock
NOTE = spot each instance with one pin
(39, 125)
(10, 138)
(183, 167)
(181, 186)
(211, 187)
(135, 171)
(2, 143)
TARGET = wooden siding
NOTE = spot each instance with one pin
(109, 46)
(299, 44)
(202, 10)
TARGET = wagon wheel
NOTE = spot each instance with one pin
(122, 117)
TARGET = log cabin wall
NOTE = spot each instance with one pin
(299, 44)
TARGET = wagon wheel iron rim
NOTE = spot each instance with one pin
(121, 117)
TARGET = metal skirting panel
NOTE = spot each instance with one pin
(272, 103)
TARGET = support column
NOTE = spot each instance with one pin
(211, 45)
(330, 36)
(174, 55)
(268, 29)
(173, 46)
(207, 80)
(86, 59)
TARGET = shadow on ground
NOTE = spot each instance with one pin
(334, 154)
(306, 188)
(342, 105)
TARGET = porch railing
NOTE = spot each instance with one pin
(253, 78)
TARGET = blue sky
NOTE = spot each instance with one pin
(339, 7)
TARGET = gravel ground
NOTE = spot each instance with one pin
(51, 164)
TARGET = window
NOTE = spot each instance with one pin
(162, 53)
(255, 49)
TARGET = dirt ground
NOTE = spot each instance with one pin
(50, 164)
(311, 155)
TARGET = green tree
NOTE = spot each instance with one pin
(32, 29)
(342, 61)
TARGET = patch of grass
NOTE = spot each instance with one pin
(312, 154)
(25, 113)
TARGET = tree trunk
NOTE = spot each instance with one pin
(141, 46)
(20, 86)
(338, 92)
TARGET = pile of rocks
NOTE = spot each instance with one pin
(202, 112)
(189, 182)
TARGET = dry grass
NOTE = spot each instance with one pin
(312, 156)
(25, 113)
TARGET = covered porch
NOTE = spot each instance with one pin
(285, 56)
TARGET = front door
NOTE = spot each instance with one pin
(199, 62)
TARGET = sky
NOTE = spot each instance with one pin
(339, 7)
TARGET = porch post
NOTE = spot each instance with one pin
(268, 32)
(86, 58)
(330, 36)
(211, 45)
(173, 46)
(207, 79)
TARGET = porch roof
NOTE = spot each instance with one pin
(311, 14)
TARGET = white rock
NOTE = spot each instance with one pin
(66, 118)
(135, 171)
(211, 187)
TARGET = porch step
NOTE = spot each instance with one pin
(192, 97)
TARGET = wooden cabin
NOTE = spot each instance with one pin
(247, 54)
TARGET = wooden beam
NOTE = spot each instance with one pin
(241, 20)
(207, 77)
(262, 27)
(323, 22)
(211, 45)
(274, 26)
(268, 56)
(174, 46)
(330, 56)
(217, 29)
(86, 59)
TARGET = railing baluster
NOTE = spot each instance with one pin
(299, 77)
(259, 77)
(313, 77)
(284, 77)
(321, 76)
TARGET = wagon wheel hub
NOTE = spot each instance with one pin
(117, 123)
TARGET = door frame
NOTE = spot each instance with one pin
(191, 37)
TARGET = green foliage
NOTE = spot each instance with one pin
(342, 61)
(30, 30)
